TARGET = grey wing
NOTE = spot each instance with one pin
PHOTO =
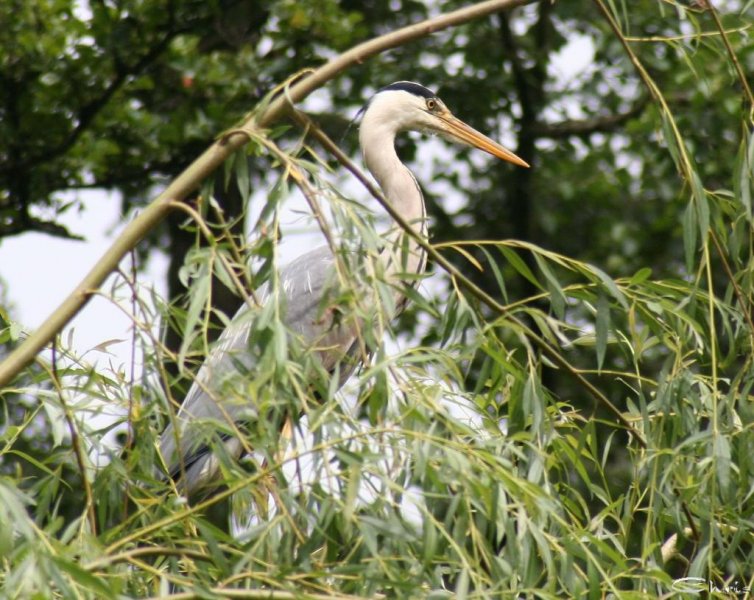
(304, 282)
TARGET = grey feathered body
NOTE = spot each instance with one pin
(304, 282)
(307, 283)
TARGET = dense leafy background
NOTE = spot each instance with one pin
(578, 424)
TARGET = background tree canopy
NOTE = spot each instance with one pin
(568, 415)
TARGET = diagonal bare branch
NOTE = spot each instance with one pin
(583, 127)
(213, 157)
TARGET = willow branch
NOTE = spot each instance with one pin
(685, 166)
(29, 223)
(263, 594)
(586, 127)
(78, 451)
(212, 158)
(734, 59)
(464, 281)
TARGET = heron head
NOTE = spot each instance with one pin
(405, 105)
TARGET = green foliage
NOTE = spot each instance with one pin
(569, 415)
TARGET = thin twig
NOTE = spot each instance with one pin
(52, 372)
(738, 292)
(128, 555)
(734, 60)
(664, 39)
(30, 223)
(261, 595)
(132, 376)
(247, 293)
(586, 127)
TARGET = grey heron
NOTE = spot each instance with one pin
(398, 107)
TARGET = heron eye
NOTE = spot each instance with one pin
(431, 104)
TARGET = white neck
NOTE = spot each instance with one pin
(377, 138)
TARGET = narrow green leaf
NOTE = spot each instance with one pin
(601, 326)
(352, 490)
(699, 566)
(721, 452)
(702, 204)
(280, 340)
(742, 174)
(278, 191)
(670, 141)
(690, 230)
(267, 312)
(517, 263)
(207, 193)
(641, 275)
(82, 577)
(462, 587)
(13, 516)
(241, 166)
(31, 460)
(449, 319)
(610, 285)
(557, 297)
(222, 273)
(496, 272)
(430, 541)
(199, 294)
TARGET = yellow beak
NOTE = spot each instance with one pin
(455, 129)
